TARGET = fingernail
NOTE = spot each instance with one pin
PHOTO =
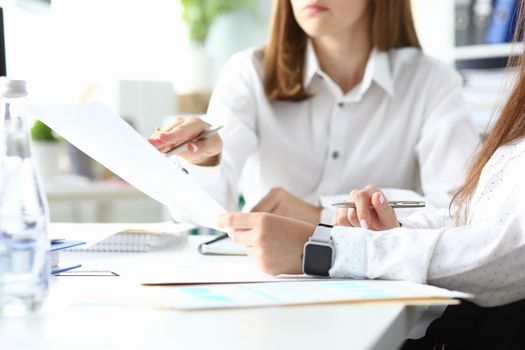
(364, 224)
(381, 198)
(194, 148)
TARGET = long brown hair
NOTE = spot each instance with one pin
(508, 127)
(392, 26)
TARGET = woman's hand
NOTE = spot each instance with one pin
(274, 242)
(281, 202)
(380, 217)
(205, 152)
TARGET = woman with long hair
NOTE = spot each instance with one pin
(341, 95)
(478, 247)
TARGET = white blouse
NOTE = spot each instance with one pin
(486, 257)
(405, 126)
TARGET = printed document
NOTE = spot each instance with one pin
(103, 135)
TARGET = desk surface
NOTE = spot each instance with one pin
(102, 313)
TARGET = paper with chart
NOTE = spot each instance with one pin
(106, 137)
(298, 293)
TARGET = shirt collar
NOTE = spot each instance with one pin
(378, 67)
(312, 66)
(377, 70)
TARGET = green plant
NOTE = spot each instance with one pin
(42, 132)
(199, 15)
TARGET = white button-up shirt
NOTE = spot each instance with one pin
(486, 257)
(404, 126)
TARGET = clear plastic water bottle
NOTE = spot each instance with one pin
(24, 214)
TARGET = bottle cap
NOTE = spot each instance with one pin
(12, 88)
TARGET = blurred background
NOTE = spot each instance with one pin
(151, 60)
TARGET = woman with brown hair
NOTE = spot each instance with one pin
(479, 250)
(340, 96)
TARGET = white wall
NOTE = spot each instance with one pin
(98, 43)
(435, 26)
(92, 40)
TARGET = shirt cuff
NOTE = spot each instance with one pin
(350, 253)
(327, 216)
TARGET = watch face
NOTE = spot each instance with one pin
(317, 259)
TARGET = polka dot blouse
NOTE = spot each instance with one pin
(485, 256)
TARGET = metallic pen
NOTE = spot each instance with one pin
(183, 146)
(393, 204)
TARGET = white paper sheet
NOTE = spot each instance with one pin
(296, 293)
(106, 137)
(216, 273)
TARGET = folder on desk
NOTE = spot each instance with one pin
(325, 291)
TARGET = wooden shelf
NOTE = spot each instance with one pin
(487, 51)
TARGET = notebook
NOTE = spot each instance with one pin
(221, 245)
(141, 238)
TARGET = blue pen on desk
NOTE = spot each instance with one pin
(203, 136)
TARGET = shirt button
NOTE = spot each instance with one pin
(335, 155)
(341, 104)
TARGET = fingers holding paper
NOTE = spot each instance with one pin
(275, 243)
(202, 152)
(371, 211)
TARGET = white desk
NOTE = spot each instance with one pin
(104, 316)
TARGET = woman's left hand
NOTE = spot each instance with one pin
(281, 202)
(372, 211)
(274, 242)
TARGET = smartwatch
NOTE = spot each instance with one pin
(319, 252)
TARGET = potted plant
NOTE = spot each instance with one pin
(199, 15)
(46, 150)
(193, 84)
